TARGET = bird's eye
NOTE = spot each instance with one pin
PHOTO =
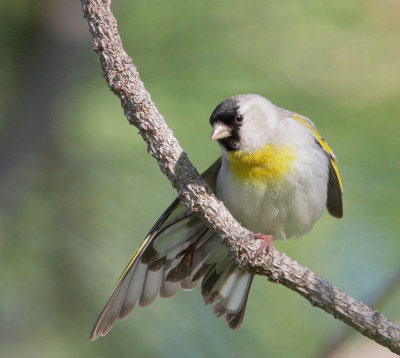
(239, 118)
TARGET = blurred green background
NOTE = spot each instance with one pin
(78, 191)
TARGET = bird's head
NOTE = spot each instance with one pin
(244, 122)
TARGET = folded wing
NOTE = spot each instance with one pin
(335, 190)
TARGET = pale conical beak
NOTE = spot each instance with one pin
(220, 131)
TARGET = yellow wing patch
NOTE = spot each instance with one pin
(321, 141)
(272, 162)
(133, 258)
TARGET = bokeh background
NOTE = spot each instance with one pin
(78, 191)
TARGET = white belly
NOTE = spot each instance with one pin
(285, 208)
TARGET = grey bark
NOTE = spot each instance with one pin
(123, 79)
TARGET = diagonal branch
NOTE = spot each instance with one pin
(123, 79)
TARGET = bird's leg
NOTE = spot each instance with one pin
(267, 243)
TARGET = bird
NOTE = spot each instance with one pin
(276, 174)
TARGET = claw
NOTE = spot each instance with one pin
(267, 243)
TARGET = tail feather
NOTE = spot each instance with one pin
(179, 272)
(168, 288)
(172, 237)
(187, 284)
(230, 287)
(133, 292)
(151, 287)
(111, 310)
(203, 252)
(215, 279)
(229, 284)
(237, 297)
(235, 320)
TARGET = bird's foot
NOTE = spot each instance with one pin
(267, 243)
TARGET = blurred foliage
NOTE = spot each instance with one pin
(79, 211)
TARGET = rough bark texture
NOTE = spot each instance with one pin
(123, 79)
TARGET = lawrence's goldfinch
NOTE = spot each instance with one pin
(275, 175)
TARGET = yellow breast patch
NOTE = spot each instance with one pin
(270, 163)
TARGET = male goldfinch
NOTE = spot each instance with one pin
(275, 175)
